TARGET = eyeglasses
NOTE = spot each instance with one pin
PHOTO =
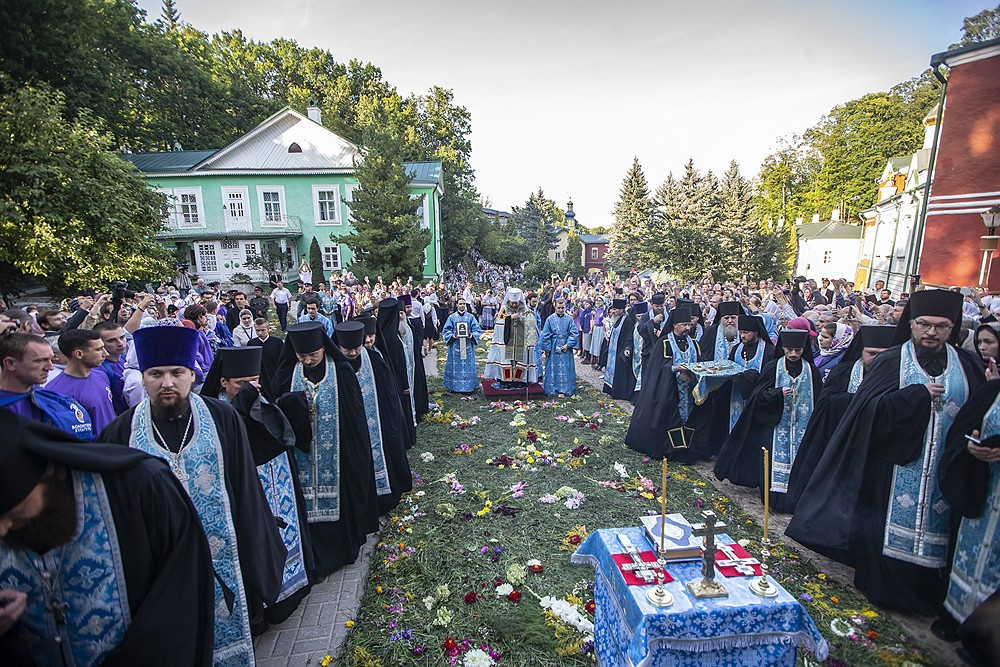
(924, 326)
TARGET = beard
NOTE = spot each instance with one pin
(54, 527)
(730, 331)
(171, 408)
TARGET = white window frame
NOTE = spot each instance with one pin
(348, 198)
(216, 256)
(425, 216)
(595, 253)
(335, 189)
(199, 203)
(282, 215)
(328, 262)
(244, 223)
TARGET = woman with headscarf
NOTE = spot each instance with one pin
(987, 342)
(243, 332)
(834, 338)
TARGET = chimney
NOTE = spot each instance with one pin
(313, 112)
(815, 217)
(835, 215)
(799, 220)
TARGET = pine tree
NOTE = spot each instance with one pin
(688, 236)
(633, 228)
(537, 222)
(387, 239)
(316, 261)
(169, 16)
(741, 229)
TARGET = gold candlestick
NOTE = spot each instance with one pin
(767, 492)
(762, 586)
(663, 506)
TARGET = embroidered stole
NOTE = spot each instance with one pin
(609, 368)
(319, 468)
(87, 584)
(366, 378)
(407, 338)
(688, 356)
(637, 357)
(975, 570)
(737, 401)
(795, 411)
(202, 472)
(722, 346)
(857, 375)
(918, 517)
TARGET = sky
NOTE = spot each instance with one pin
(563, 94)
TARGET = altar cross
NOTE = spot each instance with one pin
(743, 566)
(708, 529)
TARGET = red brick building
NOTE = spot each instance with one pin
(595, 251)
(966, 171)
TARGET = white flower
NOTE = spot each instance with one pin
(620, 469)
(841, 628)
(429, 602)
(534, 562)
(504, 589)
(426, 457)
(477, 658)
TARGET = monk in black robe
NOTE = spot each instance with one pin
(158, 548)
(421, 400)
(389, 443)
(838, 390)
(310, 364)
(237, 376)
(892, 432)
(657, 427)
(171, 422)
(774, 418)
(388, 342)
(619, 379)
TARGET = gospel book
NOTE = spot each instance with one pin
(679, 543)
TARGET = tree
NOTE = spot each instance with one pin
(633, 226)
(982, 27)
(72, 213)
(387, 239)
(574, 251)
(270, 258)
(689, 239)
(169, 16)
(537, 222)
(316, 260)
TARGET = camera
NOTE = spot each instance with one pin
(183, 267)
(119, 290)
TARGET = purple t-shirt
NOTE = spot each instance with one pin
(92, 392)
(24, 407)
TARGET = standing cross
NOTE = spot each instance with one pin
(709, 529)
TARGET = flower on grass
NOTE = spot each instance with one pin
(325, 662)
(548, 499)
(446, 511)
(589, 607)
(348, 624)
(841, 628)
(429, 602)
(470, 597)
(477, 658)
(805, 597)
(504, 589)
(535, 566)
(443, 617)
(449, 646)
(621, 470)
(574, 500)
(426, 457)
(517, 490)
(418, 650)
(516, 574)
(442, 593)
(514, 596)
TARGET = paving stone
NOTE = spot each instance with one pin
(315, 632)
(283, 645)
(311, 645)
(310, 614)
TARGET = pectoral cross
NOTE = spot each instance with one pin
(708, 587)
(640, 568)
(58, 609)
(743, 566)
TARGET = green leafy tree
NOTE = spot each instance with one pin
(982, 27)
(387, 238)
(72, 213)
(574, 251)
(316, 261)
(633, 226)
(169, 16)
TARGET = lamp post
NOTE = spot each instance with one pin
(988, 242)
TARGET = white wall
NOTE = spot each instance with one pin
(841, 262)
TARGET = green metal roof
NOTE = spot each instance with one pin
(167, 161)
(594, 238)
(423, 172)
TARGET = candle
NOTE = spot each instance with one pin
(767, 491)
(663, 505)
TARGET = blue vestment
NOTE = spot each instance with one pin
(560, 369)
(460, 373)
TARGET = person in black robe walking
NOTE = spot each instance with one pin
(421, 399)
(838, 390)
(774, 418)
(891, 429)
(318, 382)
(388, 342)
(389, 454)
(657, 428)
(619, 379)
(143, 527)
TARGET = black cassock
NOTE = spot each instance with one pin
(394, 437)
(389, 343)
(337, 543)
(829, 410)
(165, 555)
(656, 428)
(842, 510)
(740, 460)
(261, 551)
(624, 379)
(712, 416)
(420, 397)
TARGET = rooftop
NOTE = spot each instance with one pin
(828, 230)
(594, 238)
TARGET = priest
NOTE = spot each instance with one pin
(659, 426)
(390, 345)
(640, 341)
(873, 501)
(236, 376)
(511, 356)
(383, 416)
(838, 390)
(775, 418)
(325, 405)
(969, 476)
(205, 443)
(411, 330)
(102, 557)
(558, 341)
(619, 378)
(461, 334)
(722, 337)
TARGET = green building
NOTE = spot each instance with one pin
(285, 182)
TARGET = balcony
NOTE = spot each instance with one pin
(223, 226)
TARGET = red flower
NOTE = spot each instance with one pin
(498, 582)
(537, 569)
(872, 634)
(532, 437)
(470, 597)
(449, 644)
(589, 607)
(514, 596)
(574, 539)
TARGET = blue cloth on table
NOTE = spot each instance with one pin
(714, 375)
(742, 629)
(560, 367)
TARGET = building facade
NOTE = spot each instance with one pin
(595, 251)
(827, 249)
(285, 182)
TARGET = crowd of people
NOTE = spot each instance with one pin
(229, 468)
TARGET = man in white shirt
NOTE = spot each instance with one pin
(280, 297)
